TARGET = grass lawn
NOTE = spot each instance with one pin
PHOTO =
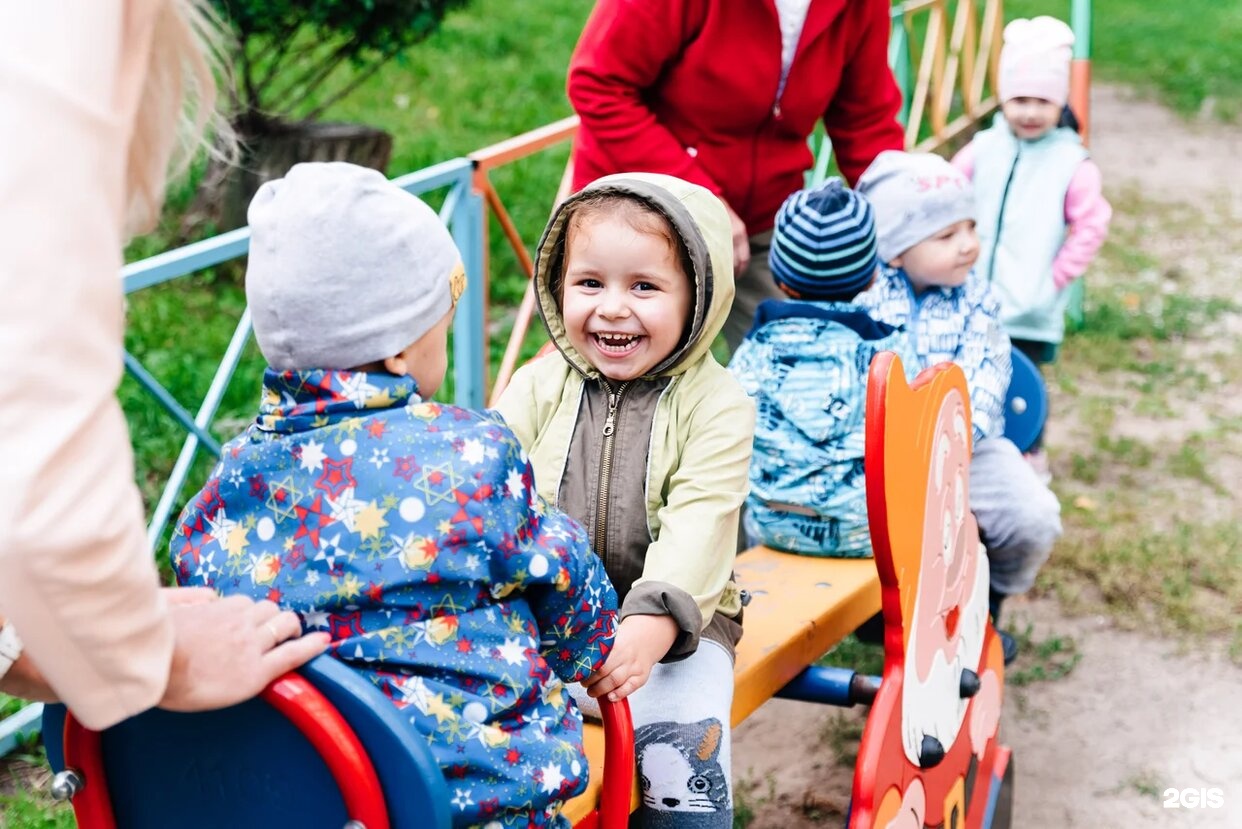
(1183, 52)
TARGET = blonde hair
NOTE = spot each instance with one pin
(177, 115)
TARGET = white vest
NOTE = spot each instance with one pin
(1020, 186)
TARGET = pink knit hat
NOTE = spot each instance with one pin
(1035, 60)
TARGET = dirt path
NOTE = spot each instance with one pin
(1139, 713)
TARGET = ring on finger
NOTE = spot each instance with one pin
(270, 628)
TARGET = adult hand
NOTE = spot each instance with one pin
(24, 679)
(641, 642)
(741, 240)
(227, 650)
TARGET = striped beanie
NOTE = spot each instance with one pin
(823, 245)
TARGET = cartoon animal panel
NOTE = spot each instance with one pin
(929, 755)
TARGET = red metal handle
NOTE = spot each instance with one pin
(294, 697)
(92, 807)
(337, 744)
(614, 797)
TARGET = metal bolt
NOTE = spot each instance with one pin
(66, 784)
(1018, 404)
(355, 824)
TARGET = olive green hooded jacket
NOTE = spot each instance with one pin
(673, 471)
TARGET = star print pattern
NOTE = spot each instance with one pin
(412, 533)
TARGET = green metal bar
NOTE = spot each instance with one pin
(1080, 22)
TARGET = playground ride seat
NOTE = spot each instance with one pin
(1026, 403)
(322, 747)
(943, 671)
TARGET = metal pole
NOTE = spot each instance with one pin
(1080, 69)
(470, 327)
(1080, 102)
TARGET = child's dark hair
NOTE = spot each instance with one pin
(636, 212)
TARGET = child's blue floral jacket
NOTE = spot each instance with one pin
(411, 532)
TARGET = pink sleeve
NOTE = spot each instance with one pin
(76, 576)
(1087, 213)
(964, 161)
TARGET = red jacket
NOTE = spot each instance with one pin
(689, 88)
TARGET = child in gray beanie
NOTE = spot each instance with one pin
(411, 531)
(925, 225)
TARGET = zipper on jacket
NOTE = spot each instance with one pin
(605, 469)
(1000, 215)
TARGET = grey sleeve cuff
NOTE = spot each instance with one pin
(658, 598)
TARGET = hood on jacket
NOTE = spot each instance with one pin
(698, 219)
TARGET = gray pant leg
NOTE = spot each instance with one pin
(683, 742)
(1019, 517)
(753, 286)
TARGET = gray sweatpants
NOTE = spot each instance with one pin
(682, 741)
(1019, 517)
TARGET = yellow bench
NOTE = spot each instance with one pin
(930, 750)
(800, 608)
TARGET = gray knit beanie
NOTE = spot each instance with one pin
(915, 195)
(345, 267)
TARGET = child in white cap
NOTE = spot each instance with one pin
(925, 227)
(411, 531)
(1041, 213)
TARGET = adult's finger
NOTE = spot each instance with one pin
(284, 625)
(181, 596)
(741, 254)
(263, 610)
(294, 653)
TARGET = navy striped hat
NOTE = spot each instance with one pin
(824, 246)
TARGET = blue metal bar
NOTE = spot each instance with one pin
(185, 260)
(437, 175)
(211, 402)
(831, 686)
(19, 727)
(169, 402)
(194, 257)
(470, 337)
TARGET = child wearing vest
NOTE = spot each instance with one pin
(1041, 213)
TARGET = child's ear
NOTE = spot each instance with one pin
(396, 365)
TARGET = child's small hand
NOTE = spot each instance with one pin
(641, 642)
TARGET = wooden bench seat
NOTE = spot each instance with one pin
(800, 608)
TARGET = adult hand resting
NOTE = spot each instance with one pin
(741, 241)
(228, 649)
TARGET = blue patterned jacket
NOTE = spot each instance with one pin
(411, 531)
(960, 325)
(806, 364)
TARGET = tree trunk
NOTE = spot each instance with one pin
(269, 149)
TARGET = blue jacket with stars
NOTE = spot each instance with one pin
(412, 532)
